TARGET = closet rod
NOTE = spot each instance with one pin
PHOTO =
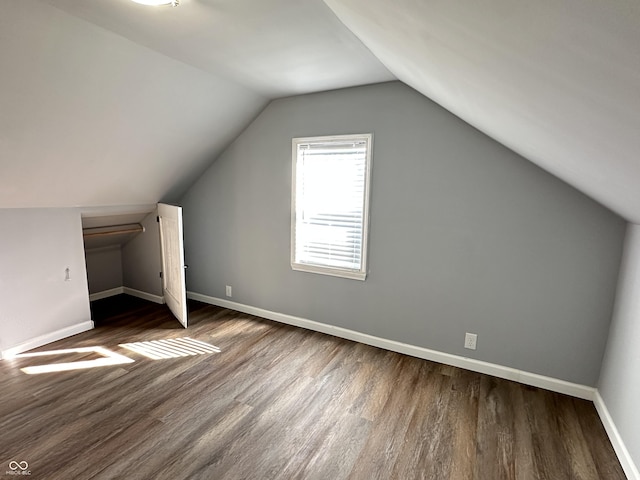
(124, 229)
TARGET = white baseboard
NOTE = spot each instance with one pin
(128, 291)
(144, 295)
(106, 293)
(508, 373)
(628, 465)
(47, 338)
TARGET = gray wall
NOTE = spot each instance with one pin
(132, 262)
(135, 264)
(619, 383)
(466, 236)
(104, 268)
(141, 261)
(36, 246)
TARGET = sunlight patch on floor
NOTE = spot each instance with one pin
(108, 358)
(171, 348)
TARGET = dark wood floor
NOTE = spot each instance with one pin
(279, 402)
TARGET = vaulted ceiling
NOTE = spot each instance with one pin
(108, 102)
(558, 81)
(273, 47)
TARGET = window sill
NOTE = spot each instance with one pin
(334, 272)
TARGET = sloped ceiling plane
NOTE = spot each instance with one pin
(557, 82)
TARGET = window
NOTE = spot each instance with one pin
(330, 205)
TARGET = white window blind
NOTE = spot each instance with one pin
(330, 204)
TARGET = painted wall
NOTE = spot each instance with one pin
(619, 384)
(466, 236)
(104, 268)
(141, 261)
(36, 246)
(134, 264)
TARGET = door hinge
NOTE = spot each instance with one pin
(158, 219)
(160, 274)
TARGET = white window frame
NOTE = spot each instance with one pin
(360, 274)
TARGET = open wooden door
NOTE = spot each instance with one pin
(172, 250)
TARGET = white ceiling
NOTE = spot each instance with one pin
(556, 80)
(108, 102)
(274, 47)
(89, 118)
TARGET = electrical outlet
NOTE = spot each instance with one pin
(470, 340)
(229, 291)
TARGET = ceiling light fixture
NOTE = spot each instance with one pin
(173, 3)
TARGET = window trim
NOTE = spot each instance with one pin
(321, 269)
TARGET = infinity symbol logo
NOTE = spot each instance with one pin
(13, 465)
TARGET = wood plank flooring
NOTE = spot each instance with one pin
(279, 402)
